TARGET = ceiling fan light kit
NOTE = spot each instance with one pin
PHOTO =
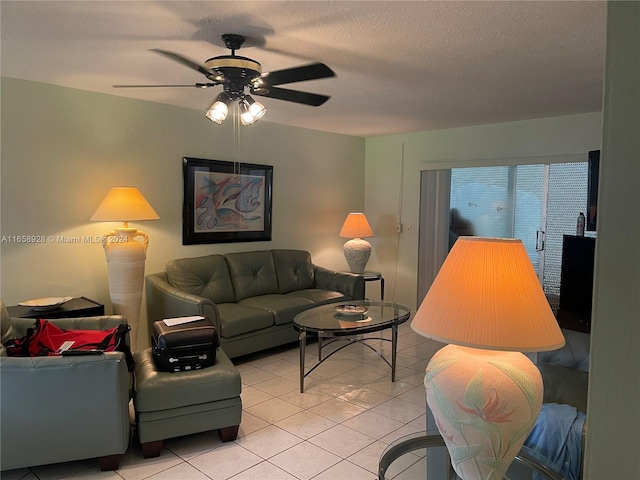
(220, 108)
(236, 73)
(252, 111)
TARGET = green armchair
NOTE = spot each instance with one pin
(59, 409)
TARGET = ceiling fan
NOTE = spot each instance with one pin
(236, 73)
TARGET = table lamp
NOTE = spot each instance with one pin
(357, 251)
(487, 304)
(125, 256)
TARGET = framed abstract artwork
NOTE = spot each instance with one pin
(225, 202)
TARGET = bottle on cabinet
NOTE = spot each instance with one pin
(580, 225)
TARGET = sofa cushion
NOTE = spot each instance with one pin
(293, 269)
(282, 307)
(236, 319)
(206, 276)
(252, 274)
(319, 297)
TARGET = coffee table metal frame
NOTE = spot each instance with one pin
(415, 441)
(324, 322)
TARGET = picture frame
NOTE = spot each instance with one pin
(226, 202)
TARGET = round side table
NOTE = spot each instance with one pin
(370, 276)
(421, 440)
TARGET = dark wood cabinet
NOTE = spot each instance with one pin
(576, 283)
(74, 308)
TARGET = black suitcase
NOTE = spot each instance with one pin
(186, 346)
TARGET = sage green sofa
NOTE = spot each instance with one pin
(251, 296)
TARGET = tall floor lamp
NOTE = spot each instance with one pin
(125, 255)
(487, 303)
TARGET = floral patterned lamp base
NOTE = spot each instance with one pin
(485, 403)
(357, 252)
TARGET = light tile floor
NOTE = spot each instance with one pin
(337, 429)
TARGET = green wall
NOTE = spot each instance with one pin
(392, 178)
(613, 441)
(63, 149)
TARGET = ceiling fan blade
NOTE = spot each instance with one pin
(313, 71)
(306, 98)
(183, 60)
(192, 85)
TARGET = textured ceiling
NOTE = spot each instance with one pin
(401, 66)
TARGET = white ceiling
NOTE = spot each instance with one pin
(402, 66)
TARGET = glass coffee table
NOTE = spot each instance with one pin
(342, 322)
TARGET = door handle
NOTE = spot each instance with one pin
(540, 237)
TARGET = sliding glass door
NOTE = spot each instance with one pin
(567, 197)
(506, 202)
(537, 203)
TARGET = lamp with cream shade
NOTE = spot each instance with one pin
(357, 250)
(487, 304)
(125, 255)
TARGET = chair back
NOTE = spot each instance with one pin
(565, 372)
(8, 330)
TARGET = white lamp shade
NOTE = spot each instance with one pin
(220, 108)
(256, 109)
(356, 226)
(487, 295)
(124, 204)
(251, 111)
(246, 117)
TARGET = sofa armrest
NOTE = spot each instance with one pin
(565, 371)
(166, 301)
(574, 354)
(346, 283)
(565, 385)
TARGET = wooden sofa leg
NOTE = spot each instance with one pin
(228, 434)
(152, 449)
(110, 462)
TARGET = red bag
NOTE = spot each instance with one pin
(46, 338)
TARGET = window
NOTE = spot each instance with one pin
(535, 203)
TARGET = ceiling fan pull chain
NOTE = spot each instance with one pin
(236, 138)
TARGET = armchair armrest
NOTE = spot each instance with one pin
(164, 300)
(347, 283)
